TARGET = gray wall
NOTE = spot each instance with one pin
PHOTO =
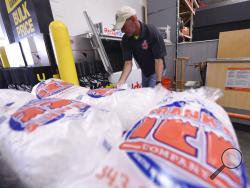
(169, 61)
(162, 13)
(198, 52)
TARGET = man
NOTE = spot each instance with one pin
(144, 43)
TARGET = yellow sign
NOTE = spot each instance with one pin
(21, 17)
(25, 28)
(21, 14)
(12, 4)
(39, 78)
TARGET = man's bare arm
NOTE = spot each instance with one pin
(125, 73)
(159, 69)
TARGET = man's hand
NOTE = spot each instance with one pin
(158, 86)
(125, 73)
(119, 84)
(158, 82)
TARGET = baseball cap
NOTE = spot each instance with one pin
(122, 15)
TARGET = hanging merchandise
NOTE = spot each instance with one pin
(94, 81)
(24, 78)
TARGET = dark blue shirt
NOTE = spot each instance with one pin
(145, 49)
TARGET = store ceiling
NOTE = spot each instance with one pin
(211, 2)
(208, 2)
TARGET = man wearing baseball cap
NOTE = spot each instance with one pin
(143, 42)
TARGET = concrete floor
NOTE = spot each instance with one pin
(244, 141)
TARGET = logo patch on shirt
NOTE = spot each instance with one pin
(144, 45)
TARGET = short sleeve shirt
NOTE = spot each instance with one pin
(145, 49)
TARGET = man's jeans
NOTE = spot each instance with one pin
(148, 81)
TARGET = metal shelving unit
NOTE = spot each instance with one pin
(187, 10)
(97, 44)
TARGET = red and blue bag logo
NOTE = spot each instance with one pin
(45, 111)
(51, 87)
(178, 134)
(102, 92)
